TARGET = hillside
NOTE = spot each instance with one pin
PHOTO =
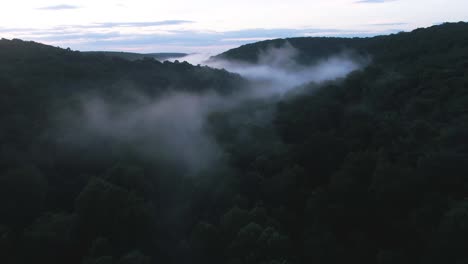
(37, 80)
(139, 56)
(371, 169)
(398, 48)
(50, 149)
(51, 67)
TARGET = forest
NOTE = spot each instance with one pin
(105, 160)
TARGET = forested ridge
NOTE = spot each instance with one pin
(372, 168)
(138, 56)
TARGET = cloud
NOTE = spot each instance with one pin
(143, 24)
(275, 32)
(389, 24)
(111, 25)
(373, 1)
(58, 7)
(9, 30)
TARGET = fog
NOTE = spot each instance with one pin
(168, 129)
(277, 68)
(194, 58)
(172, 127)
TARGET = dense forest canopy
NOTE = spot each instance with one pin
(100, 156)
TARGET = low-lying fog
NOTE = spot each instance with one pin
(172, 127)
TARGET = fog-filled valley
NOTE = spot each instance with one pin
(300, 150)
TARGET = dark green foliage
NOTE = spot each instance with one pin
(51, 205)
(369, 169)
(22, 196)
(134, 257)
(49, 238)
(106, 210)
(381, 153)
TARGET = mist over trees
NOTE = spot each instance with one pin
(106, 160)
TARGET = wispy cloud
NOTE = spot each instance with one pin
(389, 24)
(373, 1)
(131, 24)
(58, 7)
(14, 30)
(144, 24)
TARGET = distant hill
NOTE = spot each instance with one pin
(46, 67)
(139, 56)
(404, 45)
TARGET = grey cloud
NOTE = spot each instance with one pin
(59, 7)
(389, 24)
(10, 30)
(144, 24)
(373, 1)
(275, 33)
(79, 35)
(124, 24)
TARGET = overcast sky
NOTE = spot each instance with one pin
(211, 25)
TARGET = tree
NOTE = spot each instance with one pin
(22, 195)
(106, 210)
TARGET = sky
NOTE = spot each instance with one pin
(211, 25)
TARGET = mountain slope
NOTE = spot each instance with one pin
(371, 169)
(37, 80)
(48, 181)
